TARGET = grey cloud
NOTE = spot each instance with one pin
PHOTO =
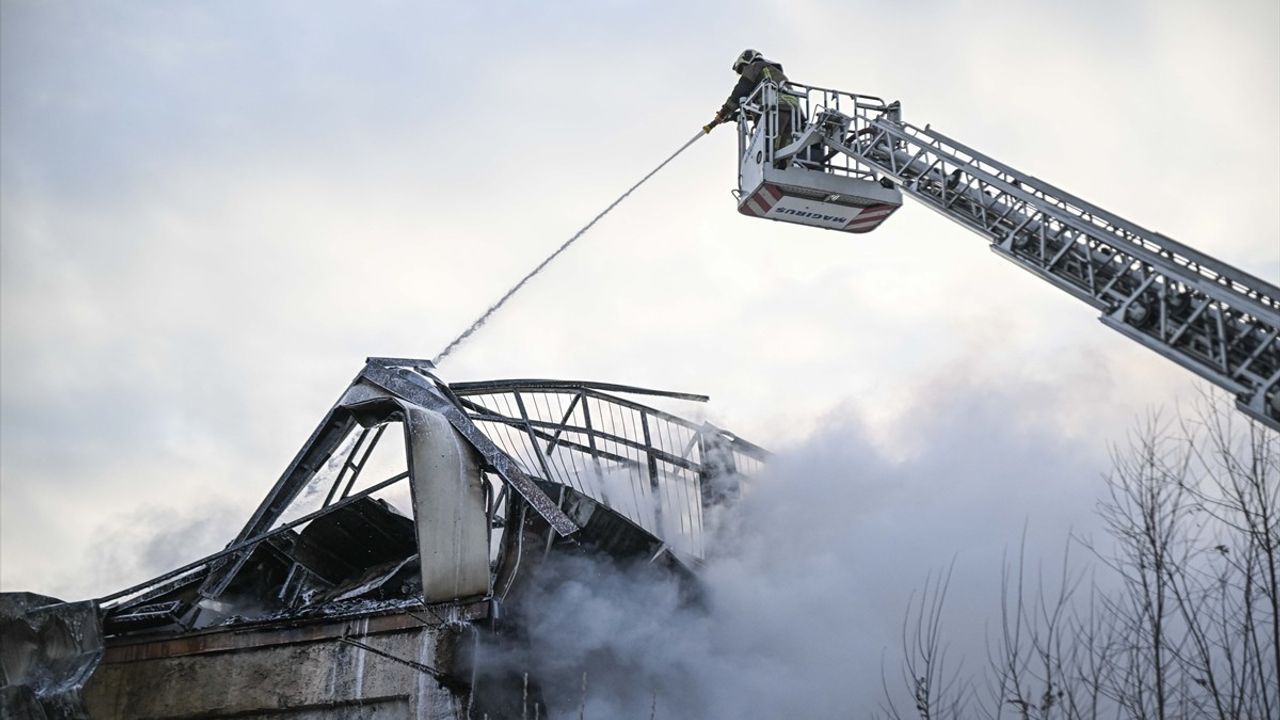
(143, 543)
(213, 212)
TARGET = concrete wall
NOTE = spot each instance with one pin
(294, 672)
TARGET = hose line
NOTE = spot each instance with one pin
(542, 265)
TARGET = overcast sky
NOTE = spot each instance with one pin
(211, 213)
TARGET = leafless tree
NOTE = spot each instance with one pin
(1178, 618)
(1238, 492)
(1147, 512)
(1192, 511)
(1036, 664)
(936, 690)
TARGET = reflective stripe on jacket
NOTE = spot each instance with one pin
(752, 75)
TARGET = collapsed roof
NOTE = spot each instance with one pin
(406, 488)
(415, 493)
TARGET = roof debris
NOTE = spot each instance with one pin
(530, 468)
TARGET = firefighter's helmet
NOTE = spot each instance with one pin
(746, 58)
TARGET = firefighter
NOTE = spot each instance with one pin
(754, 69)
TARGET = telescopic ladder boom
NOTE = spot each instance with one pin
(1216, 320)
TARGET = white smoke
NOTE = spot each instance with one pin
(803, 599)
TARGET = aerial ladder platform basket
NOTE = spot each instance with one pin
(799, 178)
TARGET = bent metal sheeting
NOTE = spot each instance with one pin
(551, 458)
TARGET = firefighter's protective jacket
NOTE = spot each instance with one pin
(752, 75)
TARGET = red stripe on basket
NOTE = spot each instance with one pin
(870, 216)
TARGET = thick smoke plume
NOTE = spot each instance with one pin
(801, 604)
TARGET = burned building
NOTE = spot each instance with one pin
(390, 548)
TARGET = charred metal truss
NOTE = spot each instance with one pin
(411, 382)
(652, 472)
(1213, 319)
(655, 469)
